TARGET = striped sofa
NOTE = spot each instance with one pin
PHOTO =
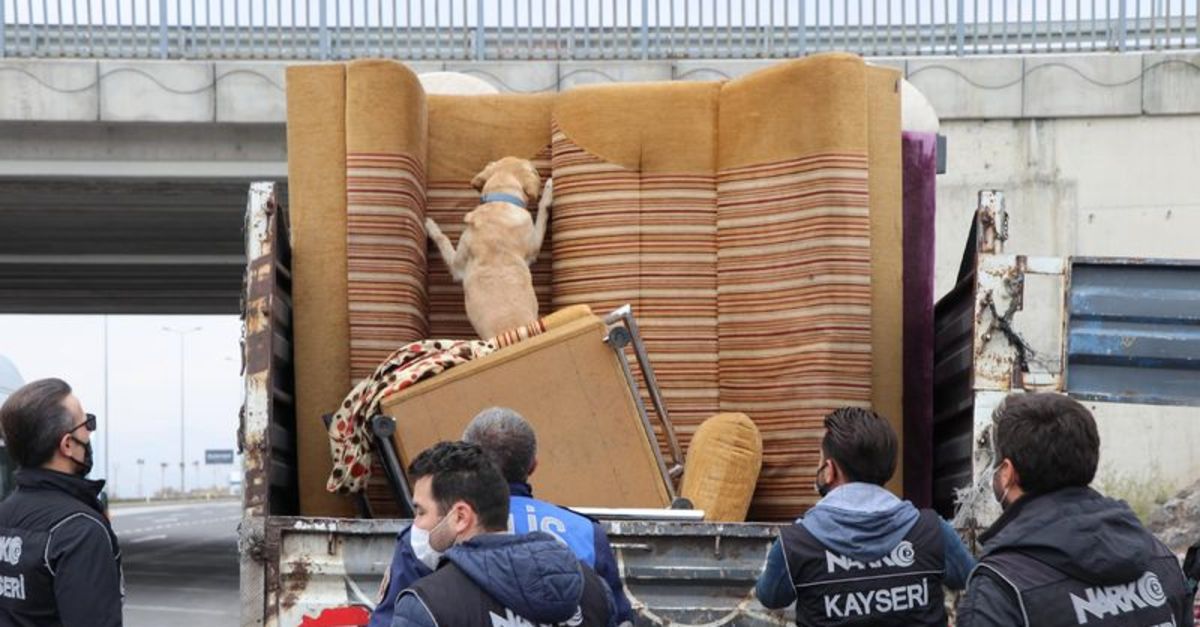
(755, 226)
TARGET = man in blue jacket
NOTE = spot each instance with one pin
(862, 556)
(486, 576)
(509, 440)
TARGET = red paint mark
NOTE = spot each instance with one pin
(353, 616)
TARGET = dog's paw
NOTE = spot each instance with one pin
(547, 194)
(431, 227)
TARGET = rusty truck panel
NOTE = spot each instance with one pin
(675, 573)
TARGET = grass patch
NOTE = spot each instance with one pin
(1143, 493)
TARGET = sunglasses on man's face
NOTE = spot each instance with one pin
(89, 422)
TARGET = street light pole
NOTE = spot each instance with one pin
(182, 435)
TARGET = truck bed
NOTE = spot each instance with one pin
(686, 573)
(295, 567)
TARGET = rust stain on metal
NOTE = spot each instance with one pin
(268, 244)
(254, 464)
(260, 269)
(258, 315)
(992, 222)
(297, 583)
(1014, 284)
(241, 432)
(272, 590)
(255, 545)
(1000, 295)
(258, 299)
(258, 347)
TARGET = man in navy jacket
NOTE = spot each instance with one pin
(861, 542)
(486, 576)
(508, 439)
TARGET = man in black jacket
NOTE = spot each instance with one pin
(1062, 554)
(59, 559)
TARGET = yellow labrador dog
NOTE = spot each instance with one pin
(498, 245)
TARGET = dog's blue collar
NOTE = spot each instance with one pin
(508, 198)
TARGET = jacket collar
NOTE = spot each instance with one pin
(85, 490)
(859, 496)
(520, 488)
(1006, 517)
(502, 197)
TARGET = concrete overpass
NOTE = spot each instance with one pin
(92, 245)
(133, 206)
(122, 181)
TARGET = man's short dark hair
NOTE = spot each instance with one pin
(862, 443)
(34, 420)
(1050, 438)
(463, 472)
(507, 438)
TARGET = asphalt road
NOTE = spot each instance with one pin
(181, 563)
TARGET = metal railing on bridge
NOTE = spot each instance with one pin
(585, 29)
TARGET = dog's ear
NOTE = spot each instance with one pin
(531, 183)
(483, 176)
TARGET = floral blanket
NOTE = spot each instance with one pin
(349, 433)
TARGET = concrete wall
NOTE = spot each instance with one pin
(145, 119)
(1119, 186)
(237, 92)
(1097, 158)
(1147, 453)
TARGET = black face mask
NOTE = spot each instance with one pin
(85, 466)
(822, 487)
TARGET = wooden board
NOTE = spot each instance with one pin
(592, 447)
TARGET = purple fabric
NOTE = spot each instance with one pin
(919, 154)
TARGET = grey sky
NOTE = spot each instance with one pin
(142, 420)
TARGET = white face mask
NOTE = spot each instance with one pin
(419, 539)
